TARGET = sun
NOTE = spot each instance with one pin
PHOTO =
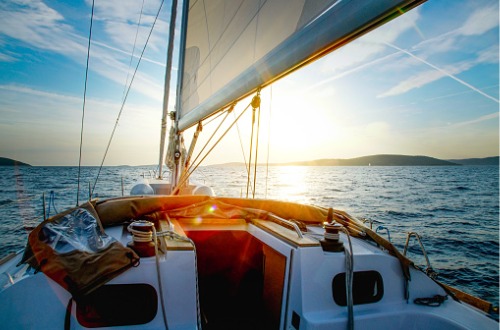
(300, 126)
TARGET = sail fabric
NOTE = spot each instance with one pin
(232, 47)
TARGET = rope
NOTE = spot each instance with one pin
(435, 301)
(83, 108)
(186, 170)
(126, 96)
(256, 149)
(255, 105)
(211, 136)
(251, 151)
(184, 178)
(142, 236)
(269, 137)
(242, 152)
(133, 49)
(349, 266)
(158, 274)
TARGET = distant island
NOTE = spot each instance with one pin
(373, 160)
(387, 160)
(476, 161)
(11, 162)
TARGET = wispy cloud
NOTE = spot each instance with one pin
(121, 18)
(51, 107)
(50, 125)
(477, 120)
(427, 77)
(41, 27)
(366, 51)
(7, 58)
(479, 22)
(367, 48)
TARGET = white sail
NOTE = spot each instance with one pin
(233, 47)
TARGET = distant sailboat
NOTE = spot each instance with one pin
(177, 257)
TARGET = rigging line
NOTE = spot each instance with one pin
(256, 152)
(215, 117)
(255, 105)
(184, 179)
(251, 151)
(269, 137)
(211, 137)
(125, 98)
(243, 150)
(133, 49)
(193, 144)
(186, 173)
(444, 72)
(83, 109)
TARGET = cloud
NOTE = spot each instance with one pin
(425, 77)
(489, 55)
(476, 120)
(369, 46)
(429, 76)
(121, 18)
(41, 27)
(48, 130)
(38, 25)
(136, 54)
(481, 21)
(7, 58)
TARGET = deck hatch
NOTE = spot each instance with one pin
(368, 287)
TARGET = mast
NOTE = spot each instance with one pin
(180, 78)
(166, 92)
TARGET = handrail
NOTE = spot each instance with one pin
(365, 220)
(386, 229)
(429, 271)
(282, 221)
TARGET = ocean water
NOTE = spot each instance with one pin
(455, 209)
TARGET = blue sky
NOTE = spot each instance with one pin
(427, 83)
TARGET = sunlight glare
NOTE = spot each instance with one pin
(290, 183)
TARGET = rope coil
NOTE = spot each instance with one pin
(141, 235)
(332, 236)
(435, 301)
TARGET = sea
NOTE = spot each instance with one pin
(454, 209)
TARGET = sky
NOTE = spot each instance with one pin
(426, 83)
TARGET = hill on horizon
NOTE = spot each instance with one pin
(386, 160)
(477, 161)
(11, 162)
(379, 160)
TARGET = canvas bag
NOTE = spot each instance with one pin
(74, 251)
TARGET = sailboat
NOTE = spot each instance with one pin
(174, 256)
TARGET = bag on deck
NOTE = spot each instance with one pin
(73, 250)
